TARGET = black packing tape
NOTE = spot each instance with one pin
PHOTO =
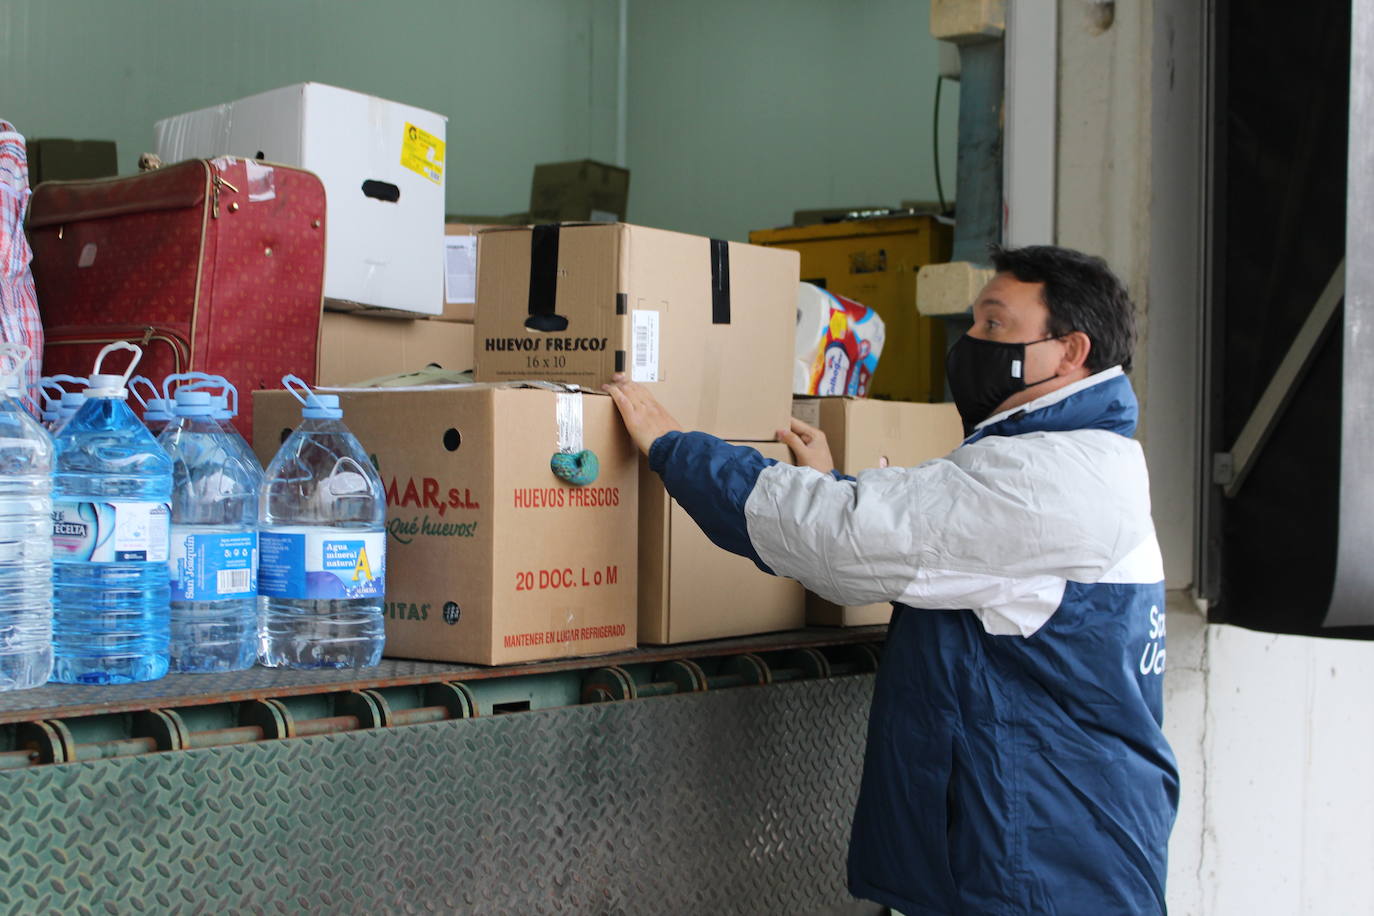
(544, 280)
(720, 281)
(619, 360)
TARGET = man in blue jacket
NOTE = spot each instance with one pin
(1015, 759)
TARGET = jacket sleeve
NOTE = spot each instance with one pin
(998, 527)
(711, 479)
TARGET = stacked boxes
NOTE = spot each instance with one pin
(358, 348)
(697, 321)
(382, 164)
(493, 557)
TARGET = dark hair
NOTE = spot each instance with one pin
(1081, 293)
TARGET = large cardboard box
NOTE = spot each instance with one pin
(690, 589)
(57, 159)
(581, 191)
(874, 261)
(382, 164)
(491, 559)
(356, 348)
(865, 434)
(707, 324)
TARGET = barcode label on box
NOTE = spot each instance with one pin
(234, 581)
(644, 346)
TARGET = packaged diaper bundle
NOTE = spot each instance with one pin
(838, 344)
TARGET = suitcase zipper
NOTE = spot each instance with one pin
(150, 335)
(216, 181)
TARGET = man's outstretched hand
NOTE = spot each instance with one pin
(644, 417)
(808, 445)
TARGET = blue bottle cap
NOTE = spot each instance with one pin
(191, 403)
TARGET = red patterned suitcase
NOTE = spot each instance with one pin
(209, 265)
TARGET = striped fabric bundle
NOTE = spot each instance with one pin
(19, 319)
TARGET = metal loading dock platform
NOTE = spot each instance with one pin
(712, 777)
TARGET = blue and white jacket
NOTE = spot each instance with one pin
(1015, 759)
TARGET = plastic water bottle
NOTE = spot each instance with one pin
(70, 404)
(52, 404)
(322, 560)
(111, 523)
(225, 407)
(214, 543)
(50, 413)
(157, 411)
(26, 455)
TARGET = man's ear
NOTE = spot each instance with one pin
(1077, 346)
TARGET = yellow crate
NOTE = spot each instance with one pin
(874, 261)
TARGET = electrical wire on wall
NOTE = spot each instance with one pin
(945, 209)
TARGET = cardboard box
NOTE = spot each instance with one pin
(460, 271)
(486, 219)
(582, 191)
(874, 261)
(52, 159)
(355, 348)
(382, 164)
(690, 589)
(865, 434)
(707, 324)
(491, 559)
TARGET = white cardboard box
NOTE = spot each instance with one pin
(382, 164)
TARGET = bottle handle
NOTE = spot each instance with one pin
(105, 351)
(50, 381)
(54, 383)
(345, 465)
(226, 387)
(293, 382)
(133, 389)
(20, 355)
(193, 377)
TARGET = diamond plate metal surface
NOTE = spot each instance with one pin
(736, 801)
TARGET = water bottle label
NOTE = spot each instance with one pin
(322, 563)
(212, 567)
(111, 532)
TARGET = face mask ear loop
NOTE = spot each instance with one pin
(1048, 378)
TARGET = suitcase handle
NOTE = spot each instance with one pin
(143, 336)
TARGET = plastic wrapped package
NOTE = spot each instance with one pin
(19, 319)
(838, 344)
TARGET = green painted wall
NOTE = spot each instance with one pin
(521, 81)
(742, 111)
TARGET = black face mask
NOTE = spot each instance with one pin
(984, 373)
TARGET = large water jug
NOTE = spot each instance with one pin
(50, 388)
(322, 543)
(26, 456)
(112, 490)
(214, 543)
(157, 410)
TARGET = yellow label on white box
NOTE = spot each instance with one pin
(423, 153)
